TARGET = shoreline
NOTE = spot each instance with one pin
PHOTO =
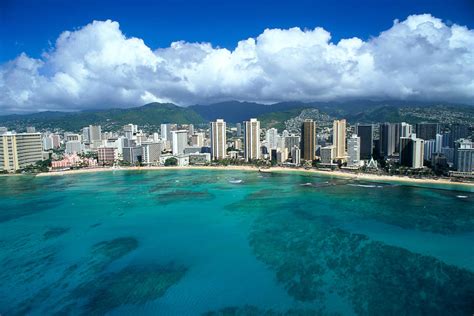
(338, 174)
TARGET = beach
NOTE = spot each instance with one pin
(339, 174)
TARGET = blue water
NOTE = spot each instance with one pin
(191, 242)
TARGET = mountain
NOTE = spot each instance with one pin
(277, 119)
(149, 115)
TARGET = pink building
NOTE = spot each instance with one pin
(73, 160)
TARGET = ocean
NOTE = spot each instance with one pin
(204, 242)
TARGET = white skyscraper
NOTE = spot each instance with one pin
(86, 135)
(272, 138)
(328, 154)
(464, 155)
(180, 141)
(296, 155)
(439, 143)
(95, 133)
(166, 132)
(353, 151)
(218, 139)
(47, 143)
(252, 139)
(430, 148)
(19, 150)
(130, 131)
(405, 130)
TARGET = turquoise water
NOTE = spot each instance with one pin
(191, 242)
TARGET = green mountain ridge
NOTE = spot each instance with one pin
(150, 116)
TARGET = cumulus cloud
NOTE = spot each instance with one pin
(97, 66)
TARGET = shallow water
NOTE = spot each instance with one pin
(191, 242)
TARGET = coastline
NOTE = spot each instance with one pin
(338, 174)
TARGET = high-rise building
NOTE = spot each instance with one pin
(95, 133)
(328, 154)
(218, 140)
(20, 150)
(133, 155)
(252, 139)
(197, 139)
(353, 151)
(74, 137)
(272, 138)
(290, 141)
(86, 134)
(448, 152)
(366, 134)
(388, 139)
(439, 162)
(106, 155)
(281, 155)
(151, 153)
(296, 155)
(74, 147)
(339, 138)
(438, 143)
(239, 129)
(429, 149)
(464, 155)
(458, 131)
(401, 130)
(308, 140)
(47, 143)
(411, 151)
(405, 129)
(130, 131)
(3, 130)
(166, 132)
(56, 140)
(238, 144)
(427, 131)
(190, 129)
(31, 129)
(180, 141)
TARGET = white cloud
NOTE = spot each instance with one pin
(97, 66)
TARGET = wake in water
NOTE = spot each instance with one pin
(235, 181)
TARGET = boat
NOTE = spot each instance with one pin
(235, 181)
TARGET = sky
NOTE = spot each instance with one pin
(73, 55)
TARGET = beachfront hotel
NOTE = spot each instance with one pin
(252, 139)
(180, 141)
(20, 150)
(411, 151)
(339, 138)
(308, 140)
(218, 139)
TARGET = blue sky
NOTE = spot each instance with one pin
(90, 54)
(31, 26)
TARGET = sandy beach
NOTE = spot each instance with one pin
(339, 174)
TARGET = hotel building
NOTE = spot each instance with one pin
(339, 138)
(252, 139)
(218, 139)
(308, 140)
(20, 150)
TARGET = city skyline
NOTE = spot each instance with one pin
(424, 149)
